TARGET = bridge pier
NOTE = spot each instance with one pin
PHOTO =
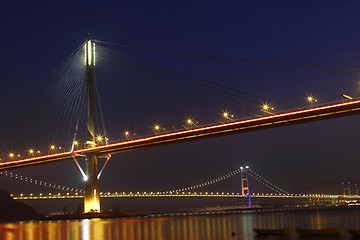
(92, 194)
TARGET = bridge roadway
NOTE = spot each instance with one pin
(181, 195)
(252, 124)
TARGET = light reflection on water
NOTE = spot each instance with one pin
(181, 228)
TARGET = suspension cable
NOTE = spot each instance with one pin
(210, 182)
(39, 182)
(231, 58)
(265, 182)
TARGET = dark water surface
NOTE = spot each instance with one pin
(184, 228)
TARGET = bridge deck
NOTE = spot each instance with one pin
(247, 125)
(183, 195)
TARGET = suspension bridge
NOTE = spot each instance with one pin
(93, 149)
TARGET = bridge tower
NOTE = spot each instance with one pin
(346, 188)
(92, 195)
(245, 183)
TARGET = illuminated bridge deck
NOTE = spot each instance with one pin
(180, 195)
(235, 127)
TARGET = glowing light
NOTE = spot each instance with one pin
(127, 133)
(94, 53)
(76, 143)
(31, 151)
(99, 138)
(189, 121)
(89, 52)
(310, 99)
(156, 127)
(52, 147)
(85, 178)
(265, 107)
(225, 115)
(18, 155)
(38, 151)
(346, 96)
(11, 155)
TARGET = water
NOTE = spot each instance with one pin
(217, 227)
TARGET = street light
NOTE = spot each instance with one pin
(227, 115)
(127, 135)
(311, 99)
(266, 108)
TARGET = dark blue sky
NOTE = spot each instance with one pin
(37, 36)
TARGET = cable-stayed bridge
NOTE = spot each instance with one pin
(339, 109)
(92, 150)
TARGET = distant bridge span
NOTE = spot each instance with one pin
(182, 195)
(252, 124)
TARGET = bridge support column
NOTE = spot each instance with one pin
(92, 194)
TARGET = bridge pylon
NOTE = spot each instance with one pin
(346, 189)
(245, 191)
(92, 194)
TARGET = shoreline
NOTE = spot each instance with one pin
(135, 215)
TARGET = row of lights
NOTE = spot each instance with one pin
(190, 123)
(41, 195)
(52, 148)
(32, 152)
(265, 107)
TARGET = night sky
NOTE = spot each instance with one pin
(37, 36)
